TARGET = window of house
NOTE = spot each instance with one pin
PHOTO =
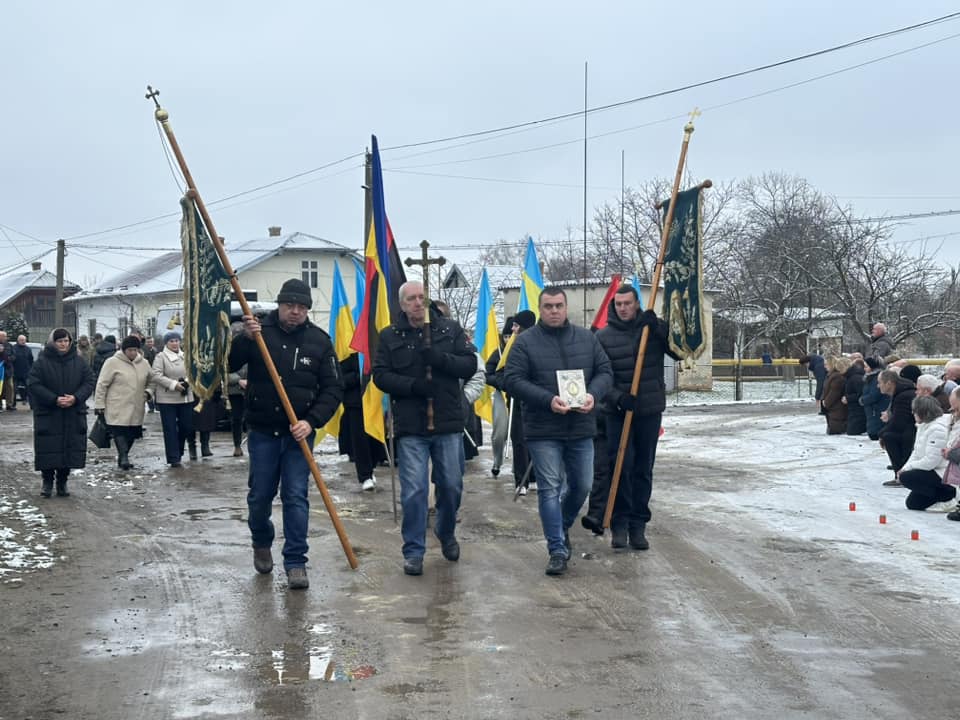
(151, 327)
(123, 327)
(310, 273)
(91, 328)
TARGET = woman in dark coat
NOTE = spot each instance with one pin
(833, 395)
(853, 389)
(59, 384)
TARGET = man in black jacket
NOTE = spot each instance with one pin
(559, 437)
(304, 359)
(900, 430)
(620, 339)
(399, 369)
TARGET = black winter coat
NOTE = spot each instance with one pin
(399, 362)
(620, 340)
(901, 424)
(853, 389)
(103, 352)
(59, 434)
(352, 381)
(531, 377)
(22, 362)
(308, 367)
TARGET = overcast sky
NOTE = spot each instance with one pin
(258, 92)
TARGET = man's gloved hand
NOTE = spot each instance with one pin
(98, 411)
(422, 387)
(649, 317)
(434, 357)
(627, 402)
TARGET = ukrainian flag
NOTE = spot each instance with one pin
(531, 281)
(341, 331)
(487, 341)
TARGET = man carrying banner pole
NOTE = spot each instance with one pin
(294, 422)
(685, 237)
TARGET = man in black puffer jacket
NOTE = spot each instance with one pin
(559, 437)
(400, 369)
(620, 339)
(304, 359)
(900, 429)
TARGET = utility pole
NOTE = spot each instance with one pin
(586, 319)
(58, 301)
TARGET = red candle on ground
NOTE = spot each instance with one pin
(883, 519)
(914, 534)
(853, 506)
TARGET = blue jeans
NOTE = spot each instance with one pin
(560, 501)
(278, 462)
(413, 454)
(176, 419)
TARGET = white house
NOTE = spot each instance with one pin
(130, 300)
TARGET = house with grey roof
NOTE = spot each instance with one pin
(32, 295)
(130, 300)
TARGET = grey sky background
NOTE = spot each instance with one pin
(258, 92)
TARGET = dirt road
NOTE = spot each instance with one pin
(136, 598)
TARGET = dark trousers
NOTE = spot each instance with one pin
(521, 456)
(237, 405)
(899, 448)
(632, 506)
(597, 505)
(926, 488)
(359, 442)
(176, 419)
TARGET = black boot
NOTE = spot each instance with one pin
(192, 444)
(62, 474)
(205, 444)
(46, 489)
(123, 452)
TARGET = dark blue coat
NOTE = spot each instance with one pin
(874, 402)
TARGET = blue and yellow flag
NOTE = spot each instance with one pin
(341, 332)
(531, 281)
(487, 341)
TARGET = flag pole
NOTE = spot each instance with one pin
(645, 334)
(163, 117)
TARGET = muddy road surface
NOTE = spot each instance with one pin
(135, 598)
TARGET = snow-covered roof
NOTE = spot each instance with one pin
(11, 286)
(752, 316)
(164, 274)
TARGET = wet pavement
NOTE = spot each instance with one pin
(136, 598)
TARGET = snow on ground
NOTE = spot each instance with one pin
(784, 474)
(25, 539)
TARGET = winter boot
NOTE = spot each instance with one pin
(46, 489)
(192, 445)
(205, 444)
(62, 474)
(123, 452)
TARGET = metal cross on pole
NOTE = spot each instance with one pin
(426, 261)
(153, 95)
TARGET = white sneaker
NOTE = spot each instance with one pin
(942, 507)
(523, 490)
(369, 485)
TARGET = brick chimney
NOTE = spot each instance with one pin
(274, 230)
(36, 266)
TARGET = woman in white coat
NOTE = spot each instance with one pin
(120, 396)
(923, 472)
(174, 400)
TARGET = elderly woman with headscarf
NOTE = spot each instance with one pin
(121, 394)
(174, 400)
(59, 384)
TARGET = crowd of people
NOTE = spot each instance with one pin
(914, 416)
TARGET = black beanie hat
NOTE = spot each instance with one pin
(131, 341)
(110, 339)
(525, 319)
(911, 372)
(295, 291)
(59, 334)
(874, 363)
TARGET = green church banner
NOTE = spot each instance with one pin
(683, 278)
(206, 305)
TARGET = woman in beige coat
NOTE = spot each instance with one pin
(174, 400)
(121, 394)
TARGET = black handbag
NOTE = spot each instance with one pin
(100, 434)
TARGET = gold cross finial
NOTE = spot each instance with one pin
(694, 114)
(153, 95)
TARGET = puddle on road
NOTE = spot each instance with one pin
(220, 513)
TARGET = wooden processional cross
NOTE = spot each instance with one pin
(426, 261)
